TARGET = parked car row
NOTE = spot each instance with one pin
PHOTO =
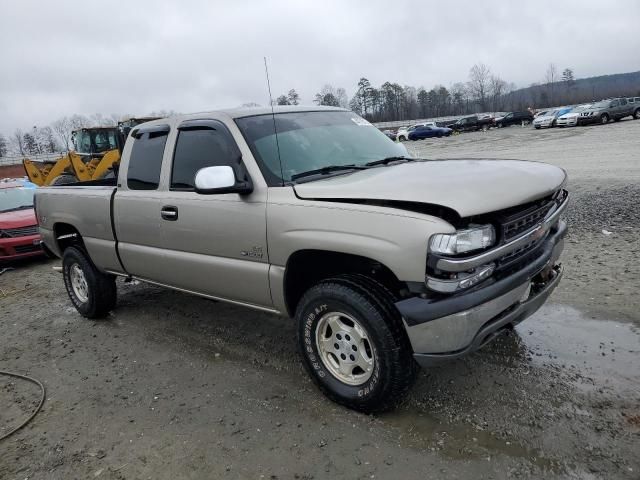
(568, 116)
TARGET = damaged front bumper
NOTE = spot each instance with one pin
(449, 328)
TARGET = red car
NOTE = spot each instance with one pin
(19, 237)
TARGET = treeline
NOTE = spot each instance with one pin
(483, 91)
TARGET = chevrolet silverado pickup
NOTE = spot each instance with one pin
(385, 262)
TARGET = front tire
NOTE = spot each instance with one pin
(92, 292)
(636, 114)
(353, 344)
(604, 119)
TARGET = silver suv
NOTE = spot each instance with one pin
(606, 110)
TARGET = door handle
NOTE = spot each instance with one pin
(169, 213)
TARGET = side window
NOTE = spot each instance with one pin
(623, 101)
(145, 161)
(613, 104)
(200, 147)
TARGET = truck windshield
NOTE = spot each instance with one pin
(16, 199)
(313, 141)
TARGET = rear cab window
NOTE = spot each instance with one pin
(200, 144)
(145, 160)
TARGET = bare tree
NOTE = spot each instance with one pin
(341, 95)
(330, 96)
(479, 78)
(293, 97)
(551, 77)
(282, 100)
(62, 128)
(45, 140)
(3, 146)
(79, 121)
(497, 87)
(17, 141)
(459, 97)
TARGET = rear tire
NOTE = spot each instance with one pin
(64, 179)
(353, 343)
(92, 292)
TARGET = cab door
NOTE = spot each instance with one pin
(213, 244)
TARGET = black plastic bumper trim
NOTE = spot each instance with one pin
(512, 316)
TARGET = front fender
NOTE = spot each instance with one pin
(396, 238)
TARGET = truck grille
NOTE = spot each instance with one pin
(525, 221)
(20, 231)
(26, 248)
(517, 221)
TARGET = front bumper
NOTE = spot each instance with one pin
(569, 122)
(458, 325)
(586, 120)
(543, 124)
(20, 247)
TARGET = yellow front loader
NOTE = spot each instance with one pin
(97, 153)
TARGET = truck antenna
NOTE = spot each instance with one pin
(273, 116)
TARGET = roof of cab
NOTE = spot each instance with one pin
(245, 112)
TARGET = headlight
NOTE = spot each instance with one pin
(475, 237)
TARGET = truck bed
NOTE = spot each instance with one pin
(86, 207)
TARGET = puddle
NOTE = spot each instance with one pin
(459, 441)
(608, 352)
(502, 400)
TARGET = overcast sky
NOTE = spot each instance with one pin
(64, 57)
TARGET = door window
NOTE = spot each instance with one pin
(199, 147)
(145, 161)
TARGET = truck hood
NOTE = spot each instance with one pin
(18, 218)
(470, 187)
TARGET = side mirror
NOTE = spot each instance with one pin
(221, 179)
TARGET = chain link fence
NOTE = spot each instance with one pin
(40, 157)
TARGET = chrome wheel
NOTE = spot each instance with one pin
(79, 283)
(345, 349)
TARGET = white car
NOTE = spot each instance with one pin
(570, 119)
(549, 118)
(403, 132)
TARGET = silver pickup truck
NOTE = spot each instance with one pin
(385, 262)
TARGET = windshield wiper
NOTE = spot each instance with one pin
(326, 170)
(386, 161)
(13, 209)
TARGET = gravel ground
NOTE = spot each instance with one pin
(174, 386)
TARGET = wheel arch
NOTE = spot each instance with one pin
(306, 267)
(66, 235)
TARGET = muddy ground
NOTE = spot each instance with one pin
(173, 386)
